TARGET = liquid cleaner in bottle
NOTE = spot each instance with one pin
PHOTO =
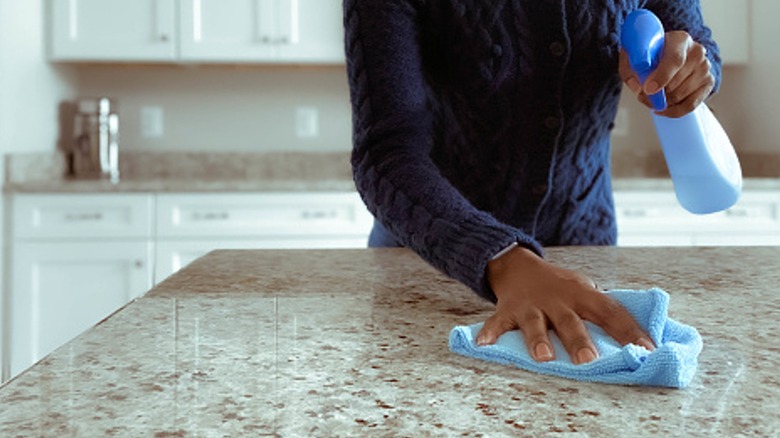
(702, 162)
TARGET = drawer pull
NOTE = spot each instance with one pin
(210, 216)
(83, 217)
(742, 212)
(319, 214)
(635, 212)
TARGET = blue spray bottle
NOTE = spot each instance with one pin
(705, 169)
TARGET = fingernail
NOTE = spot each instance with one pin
(651, 87)
(634, 85)
(585, 355)
(542, 352)
(644, 342)
(482, 341)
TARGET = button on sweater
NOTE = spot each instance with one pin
(478, 123)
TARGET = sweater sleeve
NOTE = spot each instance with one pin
(686, 15)
(392, 141)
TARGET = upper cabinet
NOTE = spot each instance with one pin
(294, 31)
(202, 31)
(113, 30)
(728, 20)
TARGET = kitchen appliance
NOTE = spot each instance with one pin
(95, 149)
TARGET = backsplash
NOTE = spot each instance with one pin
(147, 166)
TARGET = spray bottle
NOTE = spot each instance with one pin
(702, 162)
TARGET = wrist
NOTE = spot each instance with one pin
(509, 263)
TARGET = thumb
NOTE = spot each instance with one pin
(494, 327)
(627, 73)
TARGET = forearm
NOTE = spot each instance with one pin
(391, 161)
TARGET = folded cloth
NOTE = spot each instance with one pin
(672, 364)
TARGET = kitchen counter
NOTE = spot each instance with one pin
(155, 172)
(354, 343)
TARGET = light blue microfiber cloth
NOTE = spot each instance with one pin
(672, 364)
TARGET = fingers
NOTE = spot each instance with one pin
(616, 321)
(533, 324)
(683, 72)
(494, 327)
(574, 337)
(676, 47)
(534, 328)
(689, 104)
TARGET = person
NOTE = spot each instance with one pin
(481, 135)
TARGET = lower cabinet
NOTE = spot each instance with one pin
(76, 258)
(62, 289)
(655, 218)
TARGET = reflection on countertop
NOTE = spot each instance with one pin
(354, 343)
(294, 171)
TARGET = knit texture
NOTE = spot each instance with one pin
(672, 364)
(480, 123)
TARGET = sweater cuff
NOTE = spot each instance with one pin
(485, 241)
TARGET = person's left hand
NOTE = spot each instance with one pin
(683, 72)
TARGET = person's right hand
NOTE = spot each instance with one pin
(535, 295)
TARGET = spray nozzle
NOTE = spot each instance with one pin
(642, 36)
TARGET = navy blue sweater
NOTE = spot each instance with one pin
(478, 123)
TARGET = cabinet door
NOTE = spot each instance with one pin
(311, 31)
(61, 289)
(112, 30)
(229, 30)
(728, 20)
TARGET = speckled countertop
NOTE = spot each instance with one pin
(270, 171)
(354, 343)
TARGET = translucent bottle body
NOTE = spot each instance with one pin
(704, 168)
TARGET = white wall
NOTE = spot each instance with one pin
(226, 108)
(30, 90)
(751, 99)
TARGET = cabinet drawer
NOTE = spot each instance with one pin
(660, 211)
(266, 214)
(81, 216)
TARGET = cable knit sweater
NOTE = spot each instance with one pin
(478, 123)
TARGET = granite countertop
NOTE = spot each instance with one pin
(354, 343)
(253, 172)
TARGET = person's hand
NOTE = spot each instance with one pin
(683, 71)
(535, 295)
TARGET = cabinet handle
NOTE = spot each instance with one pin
(164, 18)
(210, 216)
(742, 212)
(319, 214)
(139, 264)
(83, 217)
(636, 212)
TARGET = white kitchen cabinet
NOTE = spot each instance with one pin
(275, 31)
(75, 259)
(728, 20)
(655, 218)
(191, 224)
(203, 31)
(62, 289)
(112, 30)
